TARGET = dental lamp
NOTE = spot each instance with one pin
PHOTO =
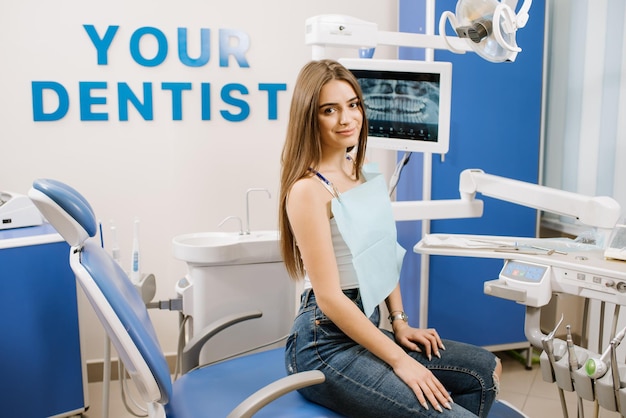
(487, 27)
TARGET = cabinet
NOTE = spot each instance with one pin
(40, 355)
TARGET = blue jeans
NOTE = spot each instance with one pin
(359, 384)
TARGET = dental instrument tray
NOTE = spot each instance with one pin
(535, 268)
(18, 211)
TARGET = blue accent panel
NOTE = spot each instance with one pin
(40, 354)
(366, 52)
(496, 126)
(412, 19)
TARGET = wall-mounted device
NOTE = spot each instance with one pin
(17, 211)
(407, 103)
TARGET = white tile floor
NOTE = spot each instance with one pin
(525, 389)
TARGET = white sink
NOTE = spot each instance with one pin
(227, 248)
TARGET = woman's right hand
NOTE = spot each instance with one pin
(424, 383)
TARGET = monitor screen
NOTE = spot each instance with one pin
(407, 103)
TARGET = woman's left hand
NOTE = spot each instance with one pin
(417, 339)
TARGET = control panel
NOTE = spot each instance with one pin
(521, 281)
(533, 284)
(592, 285)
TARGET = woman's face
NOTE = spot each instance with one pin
(340, 115)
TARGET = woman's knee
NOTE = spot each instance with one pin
(498, 370)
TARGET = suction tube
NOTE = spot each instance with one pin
(596, 368)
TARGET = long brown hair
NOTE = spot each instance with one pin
(303, 148)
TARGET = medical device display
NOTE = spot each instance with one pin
(524, 282)
(17, 211)
(407, 103)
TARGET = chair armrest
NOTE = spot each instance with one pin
(191, 352)
(253, 403)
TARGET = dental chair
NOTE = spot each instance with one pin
(255, 384)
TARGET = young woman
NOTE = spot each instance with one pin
(338, 234)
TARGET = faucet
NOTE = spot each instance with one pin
(232, 217)
(248, 205)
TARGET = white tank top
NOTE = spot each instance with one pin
(347, 274)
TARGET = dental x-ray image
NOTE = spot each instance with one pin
(401, 105)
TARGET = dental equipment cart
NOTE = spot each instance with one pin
(40, 354)
(534, 270)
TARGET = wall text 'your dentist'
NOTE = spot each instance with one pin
(149, 47)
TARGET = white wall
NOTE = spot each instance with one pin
(175, 176)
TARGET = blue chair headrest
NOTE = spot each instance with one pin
(66, 209)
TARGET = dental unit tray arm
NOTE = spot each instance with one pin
(582, 273)
(597, 211)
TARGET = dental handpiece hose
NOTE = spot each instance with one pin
(548, 347)
(573, 366)
(571, 351)
(614, 342)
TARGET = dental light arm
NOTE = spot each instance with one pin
(599, 211)
(487, 27)
(349, 32)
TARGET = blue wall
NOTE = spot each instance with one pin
(496, 126)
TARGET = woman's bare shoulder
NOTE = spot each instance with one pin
(308, 192)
